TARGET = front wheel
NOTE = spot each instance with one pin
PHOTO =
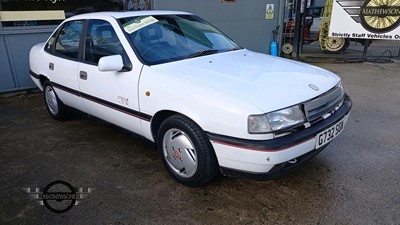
(54, 106)
(186, 151)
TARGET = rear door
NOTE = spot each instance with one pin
(111, 96)
(63, 62)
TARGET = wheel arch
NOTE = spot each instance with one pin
(158, 119)
(42, 79)
(161, 116)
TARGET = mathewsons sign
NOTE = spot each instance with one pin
(370, 19)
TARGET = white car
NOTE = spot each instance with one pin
(209, 105)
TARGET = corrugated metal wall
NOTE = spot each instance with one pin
(244, 21)
(14, 52)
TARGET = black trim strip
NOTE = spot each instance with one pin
(103, 102)
(117, 107)
(288, 141)
(66, 89)
(33, 74)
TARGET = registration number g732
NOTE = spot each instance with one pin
(329, 134)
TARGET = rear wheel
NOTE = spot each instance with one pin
(331, 45)
(54, 106)
(186, 151)
(336, 45)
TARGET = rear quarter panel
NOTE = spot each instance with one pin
(35, 62)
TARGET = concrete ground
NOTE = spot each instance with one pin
(353, 181)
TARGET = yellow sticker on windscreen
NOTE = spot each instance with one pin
(138, 23)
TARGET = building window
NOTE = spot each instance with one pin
(17, 13)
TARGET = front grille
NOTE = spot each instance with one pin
(328, 102)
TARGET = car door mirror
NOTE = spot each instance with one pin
(113, 63)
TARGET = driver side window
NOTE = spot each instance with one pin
(101, 40)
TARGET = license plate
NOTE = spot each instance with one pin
(329, 134)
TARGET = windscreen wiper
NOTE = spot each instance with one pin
(202, 53)
(234, 49)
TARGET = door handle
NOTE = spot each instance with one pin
(51, 66)
(83, 75)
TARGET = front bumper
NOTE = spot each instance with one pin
(267, 159)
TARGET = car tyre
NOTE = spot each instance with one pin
(335, 45)
(186, 151)
(55, 107)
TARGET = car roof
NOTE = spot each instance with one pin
(123, 14)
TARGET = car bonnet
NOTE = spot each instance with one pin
(267, 82)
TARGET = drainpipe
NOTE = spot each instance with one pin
(297, 27)
(281, 18)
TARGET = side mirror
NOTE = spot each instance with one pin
(113, 63)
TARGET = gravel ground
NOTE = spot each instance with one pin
(353, 181)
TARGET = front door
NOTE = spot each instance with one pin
(111, 96)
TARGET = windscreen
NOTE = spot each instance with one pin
(166, 38)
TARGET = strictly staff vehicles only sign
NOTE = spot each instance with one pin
(369, 19)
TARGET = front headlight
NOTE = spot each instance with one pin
(258, 124)
(274, 121)
(286, 118)
(340, 86)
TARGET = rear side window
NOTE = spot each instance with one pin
(67, 42)
(50, 44)
(101, 40)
